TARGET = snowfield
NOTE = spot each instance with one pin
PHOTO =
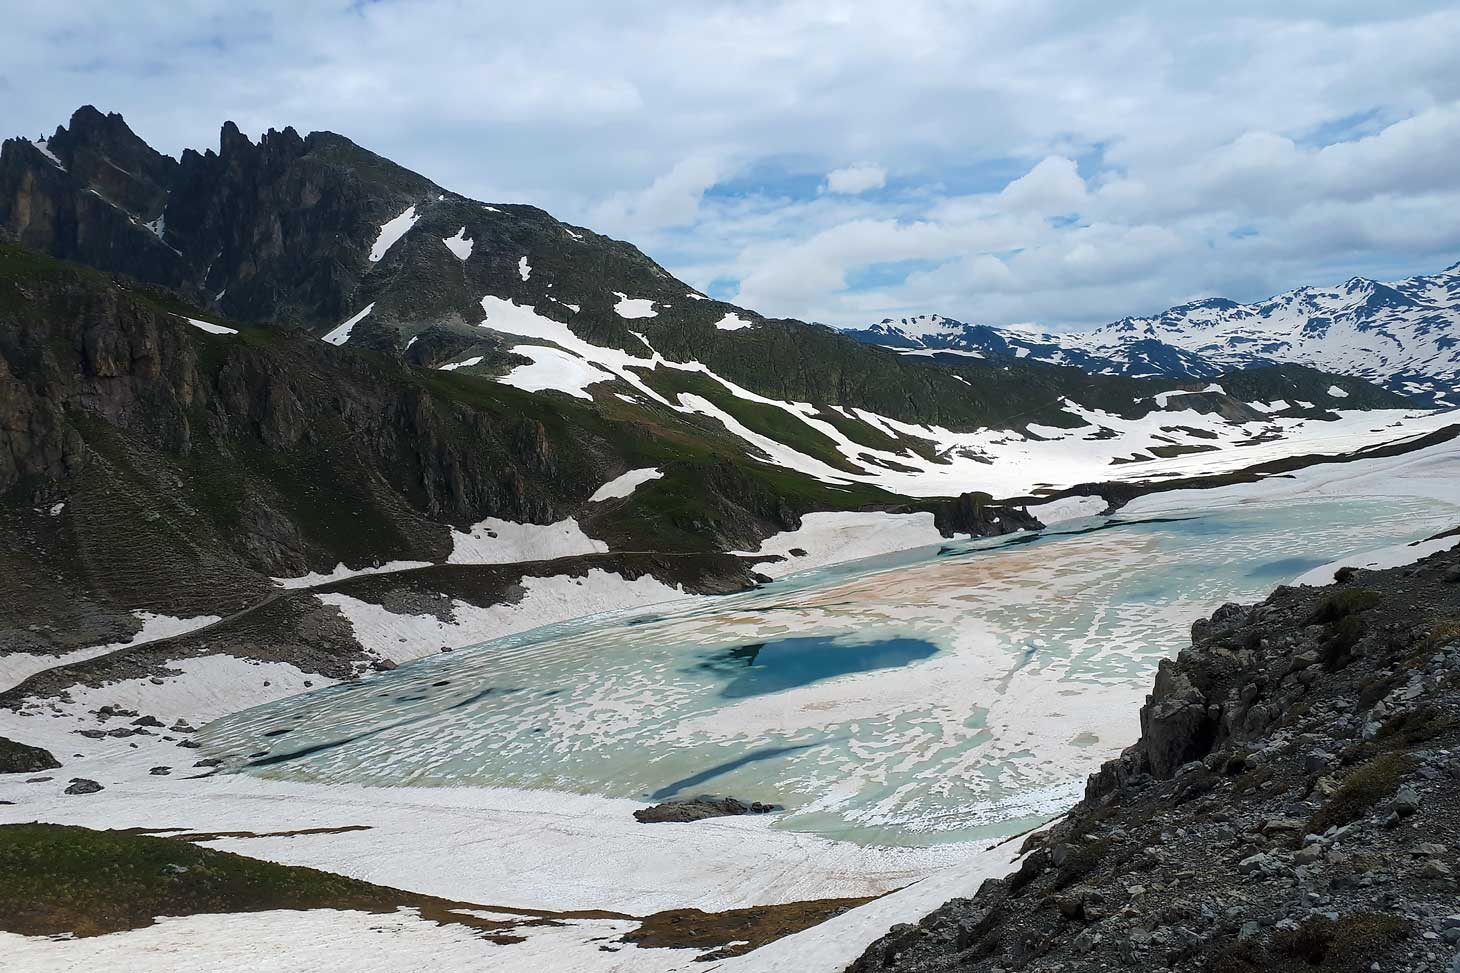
(16, 667)
(831, 538)
(1178, 438)
(494, 541)
(402, 638)
(634, 307)
(732, 322)
(522, 848)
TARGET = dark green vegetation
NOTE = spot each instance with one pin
(60, 880)
(56, 879)
(1342, 604)
(1319, 944)
(1361, 791)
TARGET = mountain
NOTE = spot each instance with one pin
(291, 355)
(283, 415)
(1401, 335)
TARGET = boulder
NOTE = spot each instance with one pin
(22, 758)
(699, 808)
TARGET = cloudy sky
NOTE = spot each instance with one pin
(1053, 161)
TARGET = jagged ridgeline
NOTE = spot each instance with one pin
(315, 231)
(288, 231)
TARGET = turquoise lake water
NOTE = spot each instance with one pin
(956, 691)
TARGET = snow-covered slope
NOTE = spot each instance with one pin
(1402, 335)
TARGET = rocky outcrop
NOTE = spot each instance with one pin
(978, 515)
(698, 809)
(1290, 804)
(22, 758)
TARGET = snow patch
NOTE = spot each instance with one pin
(834, 945)
(554, 370)
(634, 307)
(834, 537)
(210, 327)
(340, 573)
(403, 638)
(391, 231)
(622, 486)
(1337, 392)
(524, 269)
(341, 940)
(43, 147)
(341, 334)
(466, 363)
(16, 667)
(1163, 398)
(494, 541)
(1068, 508)
(732, 322)
(460, 244)
(1393, 556)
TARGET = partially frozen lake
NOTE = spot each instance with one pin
(952, 692)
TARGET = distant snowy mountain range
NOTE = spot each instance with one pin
(1403, 335)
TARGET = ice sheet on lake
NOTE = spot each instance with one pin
(1044, 647)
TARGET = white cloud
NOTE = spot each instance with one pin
(1053, 186)
(672, 199)
(1055, 161)
(855, 179)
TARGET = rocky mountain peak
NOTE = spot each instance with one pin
(1399, 335)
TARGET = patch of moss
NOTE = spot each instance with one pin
(1361, 791)
(1348, 945)
(1082, 862)
(1416, 726)
(1342, 604)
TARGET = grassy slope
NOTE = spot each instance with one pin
(57, 879)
